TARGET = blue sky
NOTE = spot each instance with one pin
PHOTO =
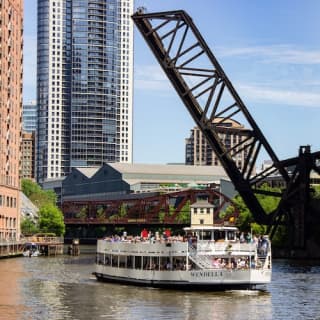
(270, 50)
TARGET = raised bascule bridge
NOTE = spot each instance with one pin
(211, 99)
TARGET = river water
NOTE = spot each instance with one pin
(63, 288)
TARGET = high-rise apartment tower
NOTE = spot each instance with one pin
(11, 30)
(30, 117)
(199, 152)
(84, 84)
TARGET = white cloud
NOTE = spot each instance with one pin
(151, 77)
(274, 53)
(279, 97)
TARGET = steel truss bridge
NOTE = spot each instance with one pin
(143, 209)
(208, 94)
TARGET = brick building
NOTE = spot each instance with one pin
(11, 31)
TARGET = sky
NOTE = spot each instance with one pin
(270, 50)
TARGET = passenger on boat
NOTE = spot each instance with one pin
(168, 266)
(263, 246)
(216, 263)
(144, 234)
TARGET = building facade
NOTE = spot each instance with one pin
(27, 155)
(30, 117)
(11, 54)
(199, 152)
(84, 84)
(118, 179)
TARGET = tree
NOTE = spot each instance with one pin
(246, 220)
(82, 214)
(100, 213)
(45, 200)
(123, 210)
(28, 226)
(38, 196)
(315, 192)
(51, 220)
(29, 187)
(184, 214)
(162, 215)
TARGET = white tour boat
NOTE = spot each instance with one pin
(207, 257)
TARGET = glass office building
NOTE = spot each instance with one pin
(30, 117)
(84, 84)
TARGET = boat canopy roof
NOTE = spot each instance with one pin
(210, 228)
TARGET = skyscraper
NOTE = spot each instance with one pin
(11, 29)
(200, 153)
(27, 155)
(84, 84)
(30, 117)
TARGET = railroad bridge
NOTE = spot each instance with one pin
(158, 210)
(211, 100)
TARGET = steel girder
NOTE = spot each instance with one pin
(143, 210)
(211, 100)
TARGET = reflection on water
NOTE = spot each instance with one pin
(63, 288)
(10, 305)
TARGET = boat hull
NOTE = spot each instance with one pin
(214, 280)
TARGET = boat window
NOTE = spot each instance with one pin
(219, 235)
(206, 235)
(231, 235)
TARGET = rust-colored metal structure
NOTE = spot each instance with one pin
(208, 94)
(154, 209)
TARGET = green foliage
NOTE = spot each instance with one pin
(38, 196)
(51, 220)
(171, 209)
(258, 229)
(28, 226)
(113, 217)
(123, 211)
(161, 216)
(29, 187)
(82, 214)
(269, 203)
(50, 217)
(184, 214)
(246, 220)
(316, 192)
(100, 213)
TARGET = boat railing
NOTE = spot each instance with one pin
(157, 248)
(211, 247)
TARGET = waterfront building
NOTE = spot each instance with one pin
(114, 180)
(84, 84)
(27, 155)
(11, 56)
(30, 117)
(199, 152)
